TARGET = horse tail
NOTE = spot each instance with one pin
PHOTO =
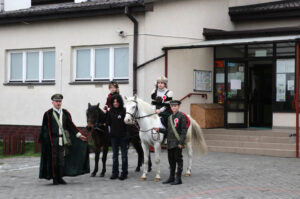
(198, 141)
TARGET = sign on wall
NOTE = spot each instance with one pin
(202, 80)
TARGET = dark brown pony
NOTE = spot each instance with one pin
(96, 120)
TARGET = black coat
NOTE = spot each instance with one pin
(77, 160)
(115, 119)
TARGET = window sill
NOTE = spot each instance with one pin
(28, 83)
(86, 82)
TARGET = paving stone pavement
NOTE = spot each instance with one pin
(214, 176)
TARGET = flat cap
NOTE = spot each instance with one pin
(57, 97)
(175, 102)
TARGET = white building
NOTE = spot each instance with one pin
(76, 48)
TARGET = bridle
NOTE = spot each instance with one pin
(135, 117)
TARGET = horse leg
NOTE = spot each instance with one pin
(157, 161)
(140, 153)
(149, 163)
(104, 157)
(190, 158)
(97, 154)
(146, 156)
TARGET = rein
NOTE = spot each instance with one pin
(134, 115)
(135, 118)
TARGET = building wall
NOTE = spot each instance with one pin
(284, 120)
(181, 78)
(176, 22)
(24, 105)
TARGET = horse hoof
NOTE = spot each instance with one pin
(93, 175)
(156, 179)
(143, 178)
(187, 175)
(102, 175)
(137, 170)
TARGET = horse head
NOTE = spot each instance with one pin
(131, 107)
(94, 115)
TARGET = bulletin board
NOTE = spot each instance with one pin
(202, 80)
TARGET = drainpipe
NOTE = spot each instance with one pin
(135, 47)
(166, 63)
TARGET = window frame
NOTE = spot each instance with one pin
(92, 70)
(24, 52)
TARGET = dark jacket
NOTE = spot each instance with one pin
(115, 119)
(77, 160)
(181, 128)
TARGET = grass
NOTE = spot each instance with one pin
(29, 151)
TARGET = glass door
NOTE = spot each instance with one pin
(235, 97)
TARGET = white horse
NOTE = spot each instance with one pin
(142, 112)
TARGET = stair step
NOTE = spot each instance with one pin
(271, 133)
(254, 151)
(245, 138)
(263, 145)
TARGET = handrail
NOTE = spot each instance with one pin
(204, 95)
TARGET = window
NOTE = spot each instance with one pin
(230, 51)
(286, 49)
(101, 63)
(260, 50)
(285, 84)
(31, 65)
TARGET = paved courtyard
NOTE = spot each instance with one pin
(214, 176)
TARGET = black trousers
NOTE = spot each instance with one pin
(58, 160)
(175, 157)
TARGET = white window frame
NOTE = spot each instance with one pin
(93, 49)
(24, 67)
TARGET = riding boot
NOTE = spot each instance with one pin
(55, 181)
(170, 180)
(171, 177)
(60, 177)
(178, 177)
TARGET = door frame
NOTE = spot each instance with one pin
(226, 109)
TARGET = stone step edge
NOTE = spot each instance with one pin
(280, 150)
(246, 142)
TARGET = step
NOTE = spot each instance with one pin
(271, 133)
(263, 145)
(254, 151)
(245, 138)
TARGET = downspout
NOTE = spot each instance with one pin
(135, 48)
(166, 63)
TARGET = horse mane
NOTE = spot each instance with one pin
(146, 106)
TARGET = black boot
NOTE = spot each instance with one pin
(170, 180)
(178, 178)
(123, 176)
(171, 177)
(60, 177)
(114, 176)
(55, 182)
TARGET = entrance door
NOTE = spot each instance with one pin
(260, 93)
(235, 108)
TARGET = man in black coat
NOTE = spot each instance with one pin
(64, 148)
